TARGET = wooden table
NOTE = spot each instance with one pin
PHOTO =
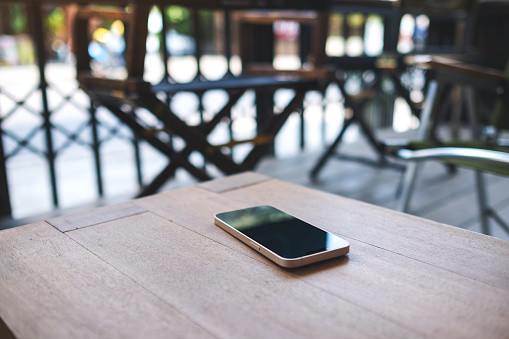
(159, 267)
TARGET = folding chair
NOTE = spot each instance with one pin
(124, 97)
(484, 151)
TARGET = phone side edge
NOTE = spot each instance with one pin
(326, 255)
(247, 241)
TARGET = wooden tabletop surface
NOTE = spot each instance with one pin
(159, 267)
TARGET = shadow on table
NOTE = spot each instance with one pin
(319, 266)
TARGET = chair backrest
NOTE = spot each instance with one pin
(135, 47)
(450, 26)
(257, 26)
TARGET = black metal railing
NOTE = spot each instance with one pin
(40, 133)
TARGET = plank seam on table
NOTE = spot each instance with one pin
(423, 262)
(130, 278)
(286, 271)
(97, 223)
(238, 186)
(230, 188)
(401, 254)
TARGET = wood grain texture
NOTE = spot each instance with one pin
(469, 254)
(229, 294)
(51, 287)
(431, 300)
(170, 272)
(194, 208)
(233, 182)
(95, 216)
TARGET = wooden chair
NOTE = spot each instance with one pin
(124, 96)
(258, 58)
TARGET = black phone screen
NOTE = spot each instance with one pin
(280, 232)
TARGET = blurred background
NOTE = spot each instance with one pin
(56, 157)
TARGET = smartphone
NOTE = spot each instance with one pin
(284, 239)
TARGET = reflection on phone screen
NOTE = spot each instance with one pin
(283, 234)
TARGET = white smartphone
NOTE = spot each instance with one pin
(284, 239)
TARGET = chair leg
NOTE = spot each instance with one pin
(422, 134)
(483, 204)
(497, 218)
(485, 211)
(328, 153)
(427, 117)
(408, 186)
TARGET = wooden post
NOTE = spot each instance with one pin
(137, 40)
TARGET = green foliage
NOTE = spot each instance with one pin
(56, 19)
(180, 19)
(18, 19)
